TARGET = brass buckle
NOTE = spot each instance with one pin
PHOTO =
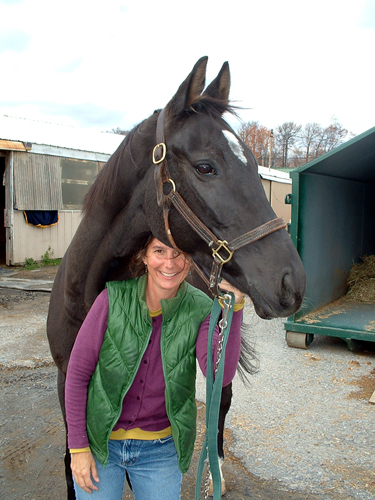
(163, 154)
(215, 252)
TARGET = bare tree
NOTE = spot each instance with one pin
(316, 140)
(286, 136)
(293, 145)
(333, 136)
(310, 141)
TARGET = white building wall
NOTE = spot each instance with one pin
(33, 242)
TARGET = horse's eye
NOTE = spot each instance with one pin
(205, 169)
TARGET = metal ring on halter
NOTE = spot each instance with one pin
(173, 184)
(163, 153)
(167, 192)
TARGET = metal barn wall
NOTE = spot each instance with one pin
(37, 186)
(30, 241)
(40, 175)
(276, 192)
(37, 182)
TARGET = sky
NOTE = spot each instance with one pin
(111, 63)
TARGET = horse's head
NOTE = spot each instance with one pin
(217, 176)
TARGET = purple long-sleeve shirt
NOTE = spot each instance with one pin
(144, 403)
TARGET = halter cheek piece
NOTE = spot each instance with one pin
(166, 193)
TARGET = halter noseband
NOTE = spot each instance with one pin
(222, 251)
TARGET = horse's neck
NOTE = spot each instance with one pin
(127, 169)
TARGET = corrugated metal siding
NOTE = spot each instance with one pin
(37, 182)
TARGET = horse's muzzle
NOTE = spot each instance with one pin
(286, 301)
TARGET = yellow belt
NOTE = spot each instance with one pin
(137, 433)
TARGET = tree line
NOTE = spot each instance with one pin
(290, 145)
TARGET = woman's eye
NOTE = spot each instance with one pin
(205, 169)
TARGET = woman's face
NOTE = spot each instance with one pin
(167, 269)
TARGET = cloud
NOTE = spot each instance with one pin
(71, 66)
(14, 41)
(11, 2)
(85, 114)
(367, 18)
(289, 61)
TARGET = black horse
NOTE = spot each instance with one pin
(216, 175)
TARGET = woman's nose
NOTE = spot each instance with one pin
(169, 262)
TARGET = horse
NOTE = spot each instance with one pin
(211, 170)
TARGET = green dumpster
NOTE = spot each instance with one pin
(333, 226)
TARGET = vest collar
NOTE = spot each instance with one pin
(169, 307)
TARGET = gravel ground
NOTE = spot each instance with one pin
(31, 426)
(305, 419)
(23, 341)
(303, 425)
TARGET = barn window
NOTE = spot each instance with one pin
(77, 176)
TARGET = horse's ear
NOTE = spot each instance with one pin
(219, 88)
(190, 90)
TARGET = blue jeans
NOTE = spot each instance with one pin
(152, 467)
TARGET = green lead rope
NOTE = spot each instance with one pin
(213, 396)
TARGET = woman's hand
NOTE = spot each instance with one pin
(84, 468)
(238, 296)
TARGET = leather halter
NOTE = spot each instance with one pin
(222, 251)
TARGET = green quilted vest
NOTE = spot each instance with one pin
(128, 333)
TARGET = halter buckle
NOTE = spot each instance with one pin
(163, 153)
(215, 252)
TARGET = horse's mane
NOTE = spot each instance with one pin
(106, 183)
(211, 106)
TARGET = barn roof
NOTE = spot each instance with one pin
(60, 136)
(273, 174)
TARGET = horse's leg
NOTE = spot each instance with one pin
(225, 402)
(68, 471)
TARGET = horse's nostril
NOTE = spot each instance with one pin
(287, 290)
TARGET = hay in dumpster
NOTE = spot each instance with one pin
(361, 280)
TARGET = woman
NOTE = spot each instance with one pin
(130, 387)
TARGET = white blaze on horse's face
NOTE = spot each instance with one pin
(235, 145)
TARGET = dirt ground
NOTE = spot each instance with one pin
(31, 428)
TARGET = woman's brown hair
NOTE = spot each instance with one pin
(137, 266)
